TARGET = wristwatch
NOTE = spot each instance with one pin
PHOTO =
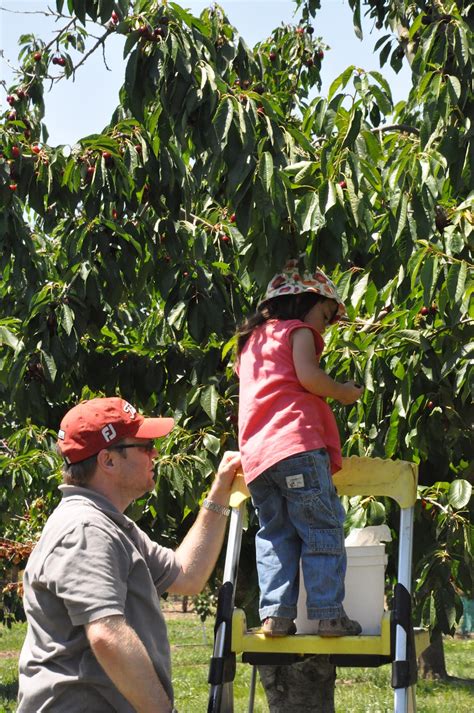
(220, 509)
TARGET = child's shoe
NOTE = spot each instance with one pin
(278, 626)
(342, 626)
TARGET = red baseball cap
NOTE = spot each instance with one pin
(99, 423)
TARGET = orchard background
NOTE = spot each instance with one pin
(128, 259)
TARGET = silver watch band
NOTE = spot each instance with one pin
(220, 509)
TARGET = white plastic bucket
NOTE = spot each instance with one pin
(364, 599)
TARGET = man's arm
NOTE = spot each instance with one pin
(125, 660)
(198, 553)
(314, 379)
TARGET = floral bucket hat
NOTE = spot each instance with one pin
(291, 282)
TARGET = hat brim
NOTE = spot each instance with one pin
(154, 427)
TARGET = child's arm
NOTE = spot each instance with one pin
(314, 379)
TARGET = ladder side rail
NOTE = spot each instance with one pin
(221, 694)
(404, 577)
(234, 542)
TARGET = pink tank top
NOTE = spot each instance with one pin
(278, 418)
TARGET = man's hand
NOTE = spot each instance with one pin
(226, 471)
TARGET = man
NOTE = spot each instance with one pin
(96, 637)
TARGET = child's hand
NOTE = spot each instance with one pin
(349, 392)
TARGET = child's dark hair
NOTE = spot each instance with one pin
(281, 307)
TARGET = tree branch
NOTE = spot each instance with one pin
(397, 127)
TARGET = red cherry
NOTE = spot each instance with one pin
(35, 149)
(225, 238)
(37, 56)
(22, 94)
(272, 56)
(300, 30)
(430, 405)
(320, 54)
(424, 311)
(90, 173)
(233, 218)
(11, 116)
(309, 62)
(185, 274)
(13, 187)
(343, 184)
(11, 99)
(138, 148)
(260, 110)
(114, 214)
(114, 17)
(106, 155)
(15, 152)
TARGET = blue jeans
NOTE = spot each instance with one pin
(301, 517)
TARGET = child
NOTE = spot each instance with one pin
(290, 445)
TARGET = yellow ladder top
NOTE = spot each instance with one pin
(395, 479)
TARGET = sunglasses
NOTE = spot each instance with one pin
(147, 447)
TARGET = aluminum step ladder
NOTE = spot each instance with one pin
(398, 642)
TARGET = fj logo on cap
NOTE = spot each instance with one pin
(128, 408)
(109, 433)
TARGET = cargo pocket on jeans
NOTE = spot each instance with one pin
(327, 542)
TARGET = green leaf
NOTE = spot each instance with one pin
(80, 10)
(461, 46)
(359, 290)
(67, 318)
(456, 281)
(356, 517)
(353, 128)
(370, 298)
(7, 338)
(454, 88)
(376, 513)
(306, 209)
(223, 120)
(212, 443)
(356, 19)
(402, 216)
(459, 493)
(340, 81)
(382, 81)
(49, 366)
(383, 102)
(209, 401)
(391, 439)
(265, 170)
(428, 276)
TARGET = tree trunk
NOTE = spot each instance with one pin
(306, 687)
(431, 664)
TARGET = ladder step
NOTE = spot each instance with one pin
(252, 641)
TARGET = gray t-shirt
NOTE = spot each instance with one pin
(90, 562)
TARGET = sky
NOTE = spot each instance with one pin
(76, 109)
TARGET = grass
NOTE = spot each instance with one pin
(358, 690)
